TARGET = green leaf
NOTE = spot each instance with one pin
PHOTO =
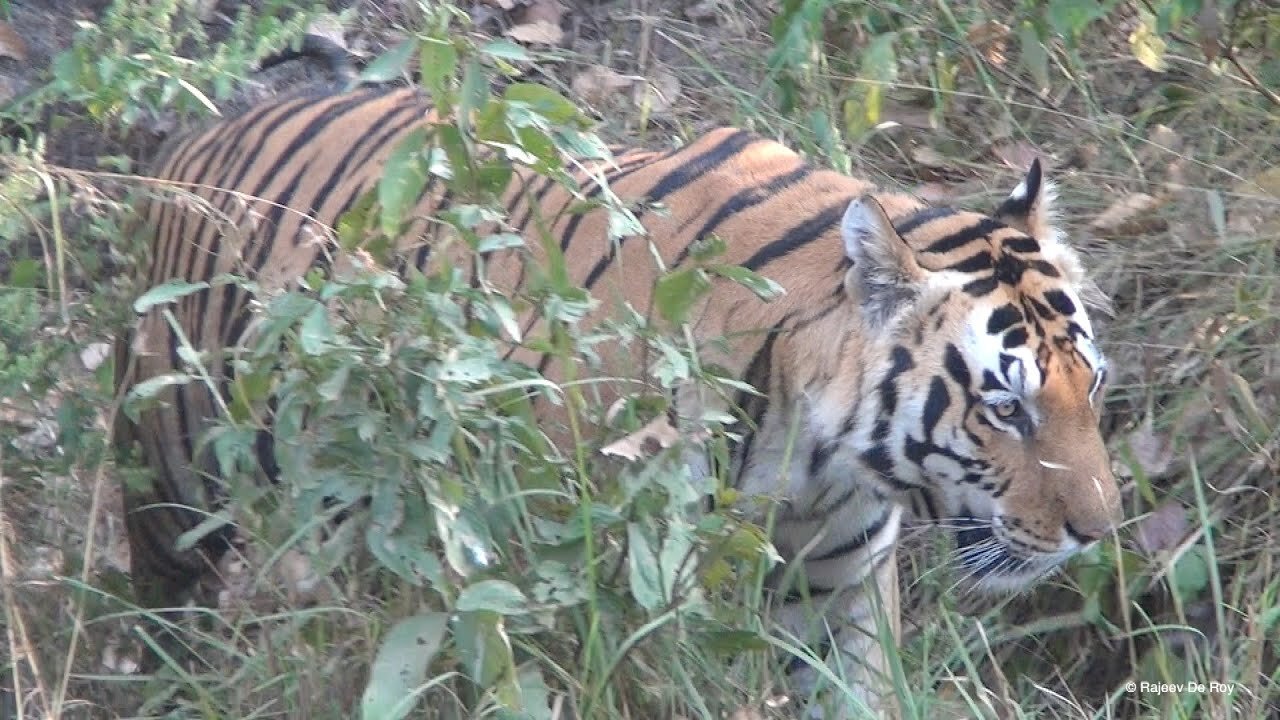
(150, 387)
(1147, 46)
(390, 65)
(499, 241)
(732, 642)
(26, 273)
(315, 335)
(167, 293)
(677, 291)
(1189, 576)
(483, 647)
(1034, 57)
(404, 177)
(499, 596)
(708, 248)
(505, 50)
(535, 696)
(543, 100)
(879, 60)
(460, 160)
(1070, 17)
(400, 668)
(645, 569)
(439, 61)
(763, 287)
(192, 537)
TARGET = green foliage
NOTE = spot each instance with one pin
(137, 59)
(819, 76)
(393, 403)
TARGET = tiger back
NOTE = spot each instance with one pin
(921, 356)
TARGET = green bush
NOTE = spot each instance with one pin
(511, 573)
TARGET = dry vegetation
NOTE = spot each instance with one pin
(1164, 142)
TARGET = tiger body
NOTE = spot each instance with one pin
(887, 370)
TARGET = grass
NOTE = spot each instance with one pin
(1187, 592)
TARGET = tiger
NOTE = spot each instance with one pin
(922, 359)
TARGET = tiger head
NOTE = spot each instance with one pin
(991, 388)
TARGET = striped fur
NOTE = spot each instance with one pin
(921, 356)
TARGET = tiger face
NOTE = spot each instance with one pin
(993, 380)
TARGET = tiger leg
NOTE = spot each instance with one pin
(847, 626)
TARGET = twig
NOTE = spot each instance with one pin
(1229, 51)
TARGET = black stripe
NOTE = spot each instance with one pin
(1003, 318)
(368, 144)
(972, 264)
(1006, 362)
(548, 182)
(809, 230)
(811, 591)
(820, 456)
(180, 397)
(935, 404)
(963, 237)
(1021, 244)
(744, 200)
(691, 170)
(752, 405)
(902, 362)
(854, 543)
(285, 159)
(913, 221)
(981, 287)
(991, 382)
(1059, 301)
(930, 507)
(956, 367)
(1015, 337)
(1009, 269)
(421, 257)
(673, 182)
(598, 187)
(1045, 268)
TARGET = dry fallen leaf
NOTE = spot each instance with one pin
(991, 40)
(1162, 528)
(537, 33)
(658, 434)
(597, 83)
(1016, 154)
(657, 94)
(929, 157)
(503, 4)
(909, 116)
(1209, 30)
(118, 659)
(94, 354)
(1125, 211)
(1153, 452)
(11, 43)
(534, 11)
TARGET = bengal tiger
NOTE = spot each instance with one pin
(921, 356)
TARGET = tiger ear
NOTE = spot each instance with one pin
(1029, 207)
(885, 272)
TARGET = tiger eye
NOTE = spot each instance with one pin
(1007, 409)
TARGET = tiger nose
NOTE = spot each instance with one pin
(1094, 512)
